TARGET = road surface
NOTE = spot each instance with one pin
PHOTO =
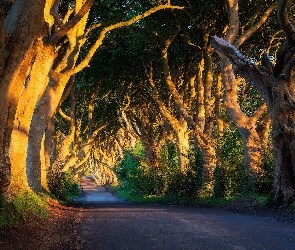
(94, 194)
(121, 225)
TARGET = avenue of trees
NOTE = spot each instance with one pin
(191, 96)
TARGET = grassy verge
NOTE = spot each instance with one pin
(22, 206)
(256, 198)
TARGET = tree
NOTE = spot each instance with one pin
(37, 62)
(246, 123)
(275, 85)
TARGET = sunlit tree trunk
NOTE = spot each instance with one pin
(199, 116)
(253, 152)
(179, 127)
(206, 139)
(67, 145)
(23, 117)
(182, 143)
(275, 85)
(49, 145)
(49, 102)
(31, 83)
(19, 60)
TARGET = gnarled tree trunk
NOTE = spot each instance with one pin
(246, 125)
(275, 84)
(23, 41)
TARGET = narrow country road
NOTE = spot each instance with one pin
(94, 194)
(107, 223)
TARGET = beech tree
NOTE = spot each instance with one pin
(188, 73)
(247, 124)
(274, 82)
(41, 42)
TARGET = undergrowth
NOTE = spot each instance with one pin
(22, 206)
(64, 187)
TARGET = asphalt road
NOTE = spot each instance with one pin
(122, 225)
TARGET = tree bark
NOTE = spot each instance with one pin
(28, 99)
(22, 42)
(278, 94)
(253, 154)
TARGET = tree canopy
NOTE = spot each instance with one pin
(97, 81)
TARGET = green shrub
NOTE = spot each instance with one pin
(24, 204)
(265, 184)
(63, 186)
(137, 181)
(230, 177)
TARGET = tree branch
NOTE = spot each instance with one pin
(259, 112)
(285, 23)
(84, 63)
(226, 49)
(255, 27)
(233, 28)
(245, 67)
(69, 25)
(107, 23)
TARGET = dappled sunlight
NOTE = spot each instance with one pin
(109, 101)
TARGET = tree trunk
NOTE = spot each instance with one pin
(151, 155)
(253, 157)
(49, 102)
(37, 81)
(253, 154)
(209, 163)
(182, 145)
(283, 138)
(275, 84)
(44, 111)
(17, 58)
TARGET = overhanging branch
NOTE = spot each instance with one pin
(285, 23)
(247, 69)
(84, 63)
(72, 23)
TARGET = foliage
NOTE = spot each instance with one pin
(230, 177)
(138, 182)
(168, 184)
(265, 183)
(24, 204)
(63, 186)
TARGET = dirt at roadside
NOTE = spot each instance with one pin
(59, 232)
(250, 206)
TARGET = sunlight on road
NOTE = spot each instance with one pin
(92, 193)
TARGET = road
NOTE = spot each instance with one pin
(111, 225)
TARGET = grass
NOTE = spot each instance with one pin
(259, 199)
(29, 204)
(168, 198)
(23, 205)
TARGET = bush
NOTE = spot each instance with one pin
(265, 184)
(230, 178)
(24, 204)
(63, 186)
(137, 181)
